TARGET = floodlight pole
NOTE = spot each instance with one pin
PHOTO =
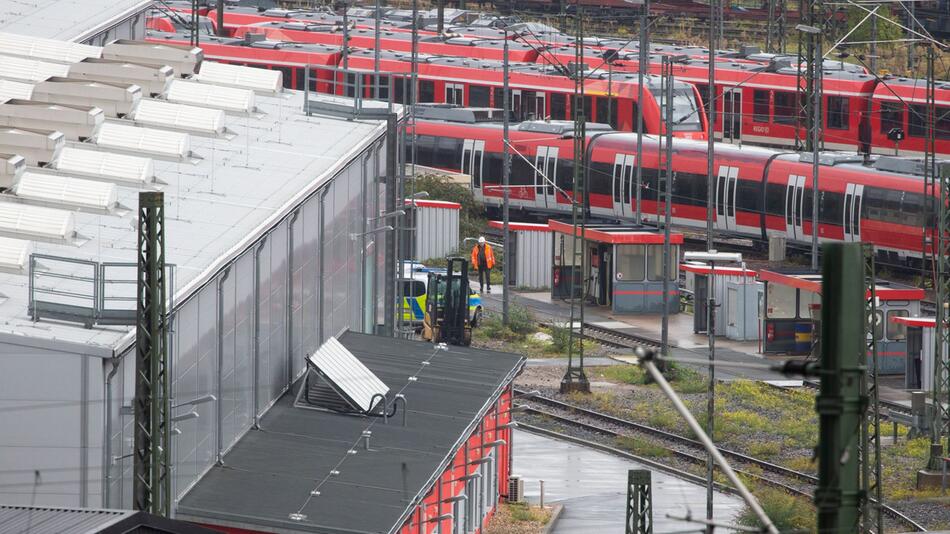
(506, 177)
(711, 389)
(667, 202)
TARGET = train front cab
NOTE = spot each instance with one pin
(626, 266)
(793, 309)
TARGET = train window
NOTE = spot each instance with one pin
(912, 209)
(883, 204)
(703, 97)
(837, 113)
(287, 76)
(892, 116)
(685, 113)
(892, 206)
(878, 325)
(522, 173)
(602, 111)
(558, 106)
(896, 331)
(617, 177)
(425, 146)
(493, 167)
(478, 96)
(943, 123)
(786, 107)
(781, 301)
(399, 90)
(426, 91)
(565, 174)
(917, 122)
(689, 189)
(588, 107)
(760, 105)
(633, 118)
(648, 184)
(299, 75)
(448, 150)
(600, 178)
(613, 114)
(830, 209)
(775, 199)
(748, 197)
(631, 262)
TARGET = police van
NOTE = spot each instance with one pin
(415, 277)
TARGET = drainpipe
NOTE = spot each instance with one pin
(255, 387)
(219, 441)
(107, 438)
(290, 297)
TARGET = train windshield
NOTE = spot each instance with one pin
(685, 109)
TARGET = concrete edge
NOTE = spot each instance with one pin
(556, 510)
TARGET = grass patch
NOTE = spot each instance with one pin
(625, 374)
(641, 447)
(787, 512)
(686, 381)
(765, 450)
(520, 323)
(525, 513)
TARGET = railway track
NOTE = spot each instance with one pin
(684, 448)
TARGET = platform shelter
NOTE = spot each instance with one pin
(626, 266)
(529, 248)
(738, 299)
(921, 345)
(793, 308)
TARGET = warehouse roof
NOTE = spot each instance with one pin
(270, 473)
(55, 520)
(67, 20)
(221, 191)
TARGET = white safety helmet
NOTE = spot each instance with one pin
(481, 240)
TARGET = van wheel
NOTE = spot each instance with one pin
(477, 318)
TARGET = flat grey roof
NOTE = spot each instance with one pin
(67, 20)
(56, 520)
(269, 473)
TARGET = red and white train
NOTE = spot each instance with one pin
(759, 191)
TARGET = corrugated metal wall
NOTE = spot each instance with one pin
(241, 337)
(533, 256)
(437, 232)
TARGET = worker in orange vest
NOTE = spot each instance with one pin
(484, 259)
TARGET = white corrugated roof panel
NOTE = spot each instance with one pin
(31, 70)
(260, 80)
(10, 89)
(66, 191)
(122, 169)
(39, 48)
(33, 222)
(213, 96)
(179, 117)
(14, 254)
(147, 141)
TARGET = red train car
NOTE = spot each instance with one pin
(902, 104)
(393, 40)
(759, 192)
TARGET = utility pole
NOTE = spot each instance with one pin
(941, 380)
(574, 378)
(840, 401)
(441, 15)
(667, 201)
(872, 519)
(812, 32)
(376, 45)
(346, 49)
(711, 202)
(644, 49)
(506, 178)
(219, 13)
(194, 22)
(151, 486)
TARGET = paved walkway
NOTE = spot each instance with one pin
(592, 487)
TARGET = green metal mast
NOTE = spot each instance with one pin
(872, 519)
(151, 467)
(840, 403)
(639, 502)
(574, 378)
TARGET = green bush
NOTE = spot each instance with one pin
(521, 320)
(561, 338)
(787, 512)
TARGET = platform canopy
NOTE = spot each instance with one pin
(811, 281)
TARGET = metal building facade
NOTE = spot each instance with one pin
(436, 224)
(532, 254)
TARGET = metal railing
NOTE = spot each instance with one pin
(350, 93)
(82, 291)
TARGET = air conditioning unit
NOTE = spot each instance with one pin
(515, 489)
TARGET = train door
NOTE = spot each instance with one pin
(794, 207)
(731, 115)
(454, 94)
(473, 154)
(853, 196)
(516, 104)
(533, 105)
(545, 176)
(727, 182)
(623, 176)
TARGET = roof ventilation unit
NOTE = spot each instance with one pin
(11, 166)
(10, 89)
(40, 224)
(75, 122)
(184, 59)
(36, 146)
(258, 80)
(163, 144)
(14, 254)
(30, 70)
(230, 99)
(338, 381)
(121, 169)
(68, 193)
(152, 80)
(50, 49)
(192, 119)
(115, 100)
